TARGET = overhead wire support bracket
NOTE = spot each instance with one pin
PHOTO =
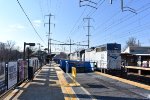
(90, 3)
(129, 9)
(125, 8)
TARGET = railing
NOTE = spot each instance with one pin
(139, 69)
(14, 73)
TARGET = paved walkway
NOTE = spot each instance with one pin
(48, 84)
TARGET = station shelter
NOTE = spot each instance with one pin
(136, 56)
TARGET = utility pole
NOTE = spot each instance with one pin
(49, 36)
(88, 26)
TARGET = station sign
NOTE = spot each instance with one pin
(21, 68)
(12, 74)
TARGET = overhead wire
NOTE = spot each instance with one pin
(90, 13)
(48, 6)
(109, 19)
(77, 21)
(125, 19)
(100, 3)
(57, 41)
(141, 9)
(127, 25)
(73, 29)
(129, 34)
(30, 21)
(41, 10)
(133, 31)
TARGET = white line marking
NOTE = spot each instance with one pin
(84, 90)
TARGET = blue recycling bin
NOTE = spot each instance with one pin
(63, 64)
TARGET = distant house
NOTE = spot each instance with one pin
(136, 56)
(77, 55)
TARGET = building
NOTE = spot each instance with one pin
(136, 56)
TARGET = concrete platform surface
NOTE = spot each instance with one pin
(45, 86)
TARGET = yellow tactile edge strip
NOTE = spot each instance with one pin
(17, 92)
(146, 87)
(66, 89)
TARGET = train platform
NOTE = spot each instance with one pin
(51, 83)
(48, 84)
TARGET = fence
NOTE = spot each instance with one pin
(15, 72)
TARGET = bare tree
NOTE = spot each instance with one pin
(10, 44)
(132, 42)
(8, 51)
(2, 51)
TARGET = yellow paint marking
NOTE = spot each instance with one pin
(66, 88)
(74, 84)
(17, 92)
(146, 87)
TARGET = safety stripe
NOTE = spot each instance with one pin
(66, 88)
(146, 87)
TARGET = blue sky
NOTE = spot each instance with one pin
(109, 23)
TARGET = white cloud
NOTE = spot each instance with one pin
(14, 28)
(17, 26)
(37, 23)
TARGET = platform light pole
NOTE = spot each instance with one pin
(24, 54)
(30, 44)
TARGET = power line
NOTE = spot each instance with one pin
(73, 30)
(140, 10)
(57, 41)
(41, 11)
(132, 22)
(49, 5)
(91, 13)
(109, 19)
(125, 26)
(135, 30)
(30, 22)
(77, 21)
(124, 19)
